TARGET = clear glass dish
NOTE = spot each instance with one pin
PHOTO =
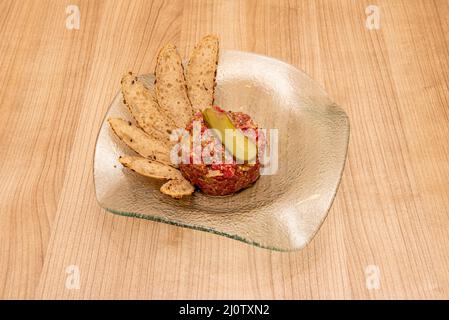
(282, 211)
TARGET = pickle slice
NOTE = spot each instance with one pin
(233, 139)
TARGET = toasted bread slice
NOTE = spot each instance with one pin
(201, 72)
(145, 145)
(170, 87)
(177, 188)
(150, 168)
(143, 106)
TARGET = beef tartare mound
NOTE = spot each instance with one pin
(219, 177)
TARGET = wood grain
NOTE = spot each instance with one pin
(391, 209)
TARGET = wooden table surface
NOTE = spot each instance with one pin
(387, 233)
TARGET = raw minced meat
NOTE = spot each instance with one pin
(221, 178)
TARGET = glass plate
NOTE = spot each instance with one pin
(282, 211)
